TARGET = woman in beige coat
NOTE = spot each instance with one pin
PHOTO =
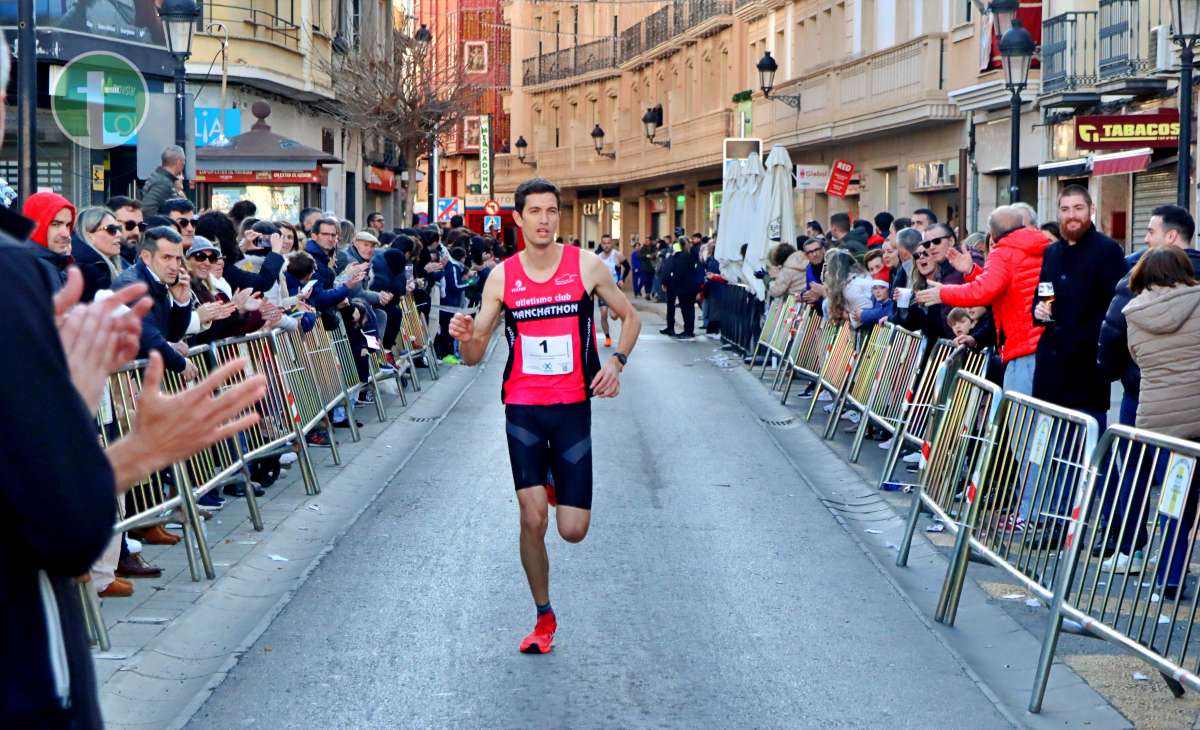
(1164, 340)
(790, 279)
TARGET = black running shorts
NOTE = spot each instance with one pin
(552, 441)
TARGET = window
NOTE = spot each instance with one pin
(963, 12)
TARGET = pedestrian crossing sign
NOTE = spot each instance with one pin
(491, 223)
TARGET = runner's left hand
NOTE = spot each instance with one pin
(607, 383)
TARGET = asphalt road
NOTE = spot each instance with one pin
(713, 590)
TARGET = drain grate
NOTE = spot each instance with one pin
(780, 423)
(422, 419)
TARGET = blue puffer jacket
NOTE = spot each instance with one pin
(1113, 356)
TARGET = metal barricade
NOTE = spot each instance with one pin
(221, 463)
(775, 328)
(871, 350)
(923, 403)
(325, 369)
(836, 369)
(280, 428)
(311, 388)
(893, 381)
(1140, 490)
(419, 341)
(943, 480)
(807, 349)
(93, 618)
(1017, 518)
(348, 368)
(162, 495)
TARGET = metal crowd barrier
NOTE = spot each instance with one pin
(922, 403)
(893, 380)
(871, 351)
(775, 332)
(836, 369)
(811, 339)
(1140, 489)
(743, 311)
(326, 369)
(420, 344)
(348, 368)
(944, 478)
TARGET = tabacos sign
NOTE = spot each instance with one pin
(1125, 131)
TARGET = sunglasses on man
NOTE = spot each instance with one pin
(130, 225)
(186, 223)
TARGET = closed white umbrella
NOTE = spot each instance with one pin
(726, 250)
(751, 223)
(774, 212)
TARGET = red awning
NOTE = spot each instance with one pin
(1121, 163)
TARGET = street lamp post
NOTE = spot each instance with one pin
(179, 19)
(1185, 30)
(425, 38)
(521, 146)
(767, 68)
(1016, 54)
(598, 143)
(652, 120)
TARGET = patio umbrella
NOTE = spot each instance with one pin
(774, 209)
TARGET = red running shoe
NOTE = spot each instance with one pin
(551, 497)
(541, 641)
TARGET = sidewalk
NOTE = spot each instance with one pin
(174, 640)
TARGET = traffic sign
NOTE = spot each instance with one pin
(491, 223)
(447, 208)
(422, 219)
(491, 208)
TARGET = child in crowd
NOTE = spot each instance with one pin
(960, 322)
(881, 304)
(876, 266)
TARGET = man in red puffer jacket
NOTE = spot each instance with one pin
(1007, 283)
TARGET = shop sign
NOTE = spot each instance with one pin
(485, 155)
(658, 205)
(381, 179)
(592, 208)
(839, 178)
(261, 177)
(811, 177)
(1125, 131)
(505, 200)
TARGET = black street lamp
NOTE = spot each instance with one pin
(767, 68)
(598, 143)
(521, 145)
(179, 18)
(1185, 31)
(652, 120)
(425, 38)
(1016, 54)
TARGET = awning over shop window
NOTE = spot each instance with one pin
(1121, 163)
(1064, 168)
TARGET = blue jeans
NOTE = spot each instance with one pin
(1018, 376)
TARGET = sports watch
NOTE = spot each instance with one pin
(621, 358)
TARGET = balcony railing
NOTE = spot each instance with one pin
(252, 24)
(1069, 60)
(1126, 43)
(569, 62)
(658, 29)
(631, 42)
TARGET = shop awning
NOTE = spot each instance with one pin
(1077, 167)
(1121, 163)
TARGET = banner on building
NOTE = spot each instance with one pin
(839, 178)
(1125, 131)
(485, 155)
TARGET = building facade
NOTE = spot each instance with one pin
(905, 90)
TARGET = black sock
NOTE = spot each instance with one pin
(544, 609)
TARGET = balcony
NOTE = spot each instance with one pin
(1069, 60)
(663, 31)
(899, 87)
(1128, 45)
(572, 63)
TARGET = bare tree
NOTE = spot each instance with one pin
(400, 91)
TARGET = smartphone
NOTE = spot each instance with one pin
(308, 287)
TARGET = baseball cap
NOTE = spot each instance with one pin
(200, 244)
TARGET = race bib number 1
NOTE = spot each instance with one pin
(547, 355)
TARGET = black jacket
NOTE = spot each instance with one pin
(57, 507)
(684, 276)
(1084, 276)
(54, 264)
(165, 323)
(1113, 356)
(96, 274)
(267, 276)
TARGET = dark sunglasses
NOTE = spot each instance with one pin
(111, 229)
(130, 225)
(210, 256)
(939, 239)
(921, 255)
(811, 251)
(188, 222)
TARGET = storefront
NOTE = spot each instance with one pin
(281, 176)
(381, 188)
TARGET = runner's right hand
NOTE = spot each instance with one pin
(462, 327)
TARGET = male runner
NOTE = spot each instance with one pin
(553, 369)
(612, 259)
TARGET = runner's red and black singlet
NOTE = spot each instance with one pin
(549, 325)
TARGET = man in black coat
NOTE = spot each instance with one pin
(1084, 269)
(683, 283)
(160, 258)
